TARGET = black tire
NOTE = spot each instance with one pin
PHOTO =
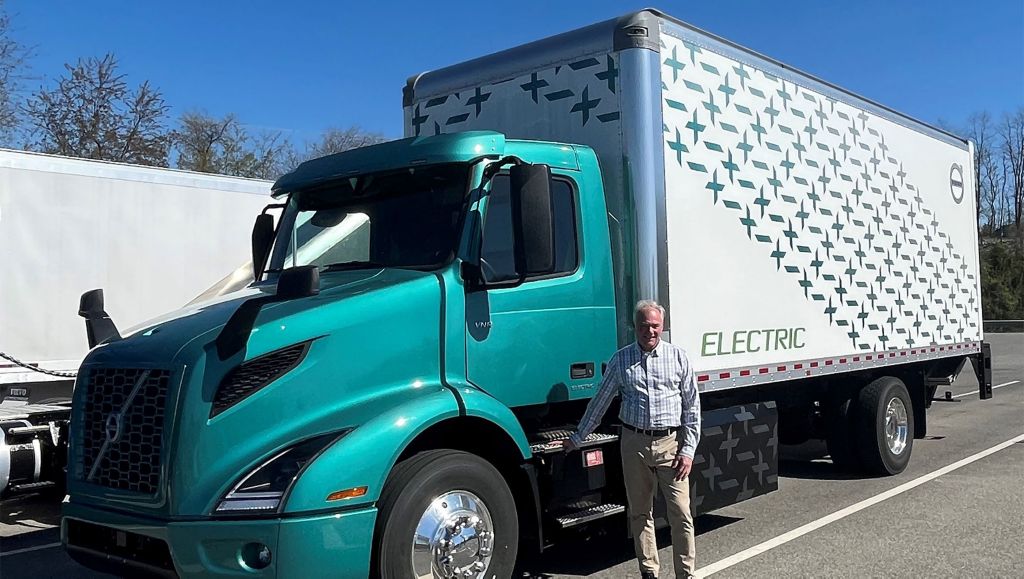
(409, 491)
(839, 437)
(870, 425)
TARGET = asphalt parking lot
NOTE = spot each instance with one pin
(956, 511)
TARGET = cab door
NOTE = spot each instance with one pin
(545, 339)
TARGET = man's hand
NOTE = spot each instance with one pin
(682, 465)
(567, 445)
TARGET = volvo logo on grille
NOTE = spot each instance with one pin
(956, 182)
(113, 427)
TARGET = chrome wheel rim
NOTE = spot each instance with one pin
(454, 537)
(896, 429)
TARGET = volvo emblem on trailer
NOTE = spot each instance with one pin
(956, 182)
(113, 427)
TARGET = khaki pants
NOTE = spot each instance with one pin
(646, 465)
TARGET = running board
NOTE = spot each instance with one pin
(588, 515)
(553, 437)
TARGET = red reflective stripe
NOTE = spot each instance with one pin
(780, 369)
(703, 378)
(828, 362)
(723, 375)
(868, 357)
(797, 366)
(814, 364)
(842, 360)
(856, 358)
(892, 354)
(744, 372)
(903, 353)
(763, 371)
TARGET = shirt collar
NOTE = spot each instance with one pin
(656, 352)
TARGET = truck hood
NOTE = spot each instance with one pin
(158, 341)
(372, 340)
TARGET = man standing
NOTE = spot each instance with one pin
(660, 414)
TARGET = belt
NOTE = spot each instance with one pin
(651, 431)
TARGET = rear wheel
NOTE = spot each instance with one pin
(446, 513)
(885, 426)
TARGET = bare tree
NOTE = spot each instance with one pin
(1013, 157)
(223, 145)
(334, 140)
(92, 113)
(13, 65)
(989, 170)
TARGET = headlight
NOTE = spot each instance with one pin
(250, 377)
(263, 489)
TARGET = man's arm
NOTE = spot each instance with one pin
(598, 405)
(690, 418)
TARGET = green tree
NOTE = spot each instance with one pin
(1002, 280)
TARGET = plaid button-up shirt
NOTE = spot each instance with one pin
(658, 390)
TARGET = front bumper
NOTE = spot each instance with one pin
(325, 545)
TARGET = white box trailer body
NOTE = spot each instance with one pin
(791, 227)
(152, 238)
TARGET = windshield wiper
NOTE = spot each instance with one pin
(355, 265)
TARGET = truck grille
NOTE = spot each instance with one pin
(120, 428)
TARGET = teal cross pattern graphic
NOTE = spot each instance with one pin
(582, 90)
(826, 165)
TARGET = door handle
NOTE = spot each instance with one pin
(581, 370)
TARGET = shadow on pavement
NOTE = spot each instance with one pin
(23, 514)
(594, 554)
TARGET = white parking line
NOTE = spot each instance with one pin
(29, 549)
(994, 387)
(843, 513)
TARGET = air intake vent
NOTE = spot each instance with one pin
(248, 378)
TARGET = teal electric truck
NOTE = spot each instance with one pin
(428, 316)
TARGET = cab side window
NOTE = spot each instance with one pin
(497, 253)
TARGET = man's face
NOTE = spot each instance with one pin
(648, 328)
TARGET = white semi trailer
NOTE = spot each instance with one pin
(153, 238)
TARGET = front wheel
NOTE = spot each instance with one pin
(885, 426)
(446, 513)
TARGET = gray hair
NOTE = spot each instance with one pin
(644, 305)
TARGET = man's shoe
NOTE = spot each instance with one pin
(647, 575)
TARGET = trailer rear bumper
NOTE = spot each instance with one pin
(330, 544)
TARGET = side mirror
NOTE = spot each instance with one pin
(295, 282)
(99, 328)
(298, 282)
(532, 219)
(262, 239)
(91, 303)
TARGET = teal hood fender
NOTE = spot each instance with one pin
(365, 456)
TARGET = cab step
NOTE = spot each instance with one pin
(31, 487)
(589, 514)
(548, 443)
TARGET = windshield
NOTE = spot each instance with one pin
(406, 218)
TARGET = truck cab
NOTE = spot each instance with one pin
(272, 427)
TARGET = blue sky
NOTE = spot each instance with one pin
(302, 66)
